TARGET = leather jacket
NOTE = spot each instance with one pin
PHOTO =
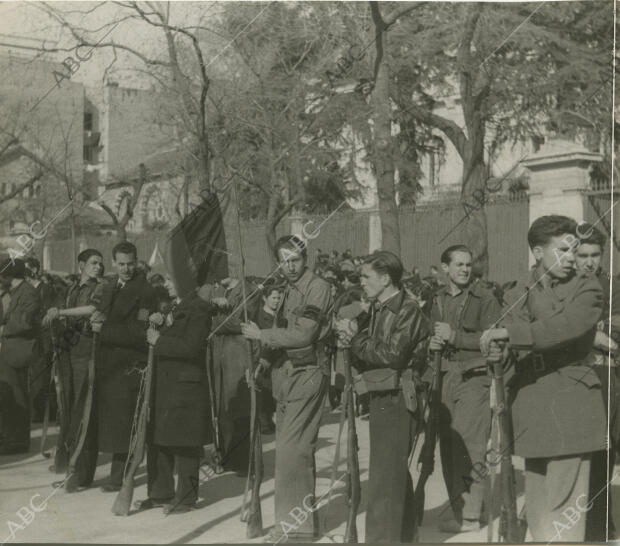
(391, 341)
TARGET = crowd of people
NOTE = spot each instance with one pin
(555, 331)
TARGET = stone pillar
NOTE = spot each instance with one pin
(558, 175)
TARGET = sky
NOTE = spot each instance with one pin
(25, 23)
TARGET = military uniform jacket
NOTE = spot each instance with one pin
(557, 401)
(20, 346)
(180, 402)
(478, 312)
(306, 309)
(122, 349)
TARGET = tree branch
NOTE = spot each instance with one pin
(446, 126)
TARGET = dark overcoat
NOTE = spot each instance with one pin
(232, 355)
(180, 398)
(122, 353)
(558, 405)
(20, 344)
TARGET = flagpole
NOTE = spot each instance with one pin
(242, 255)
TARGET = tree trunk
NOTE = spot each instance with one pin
(121, 233)
(383, 158)
(474, 195)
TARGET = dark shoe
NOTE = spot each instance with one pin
(148, 504)
(177, 508)
(110, 488)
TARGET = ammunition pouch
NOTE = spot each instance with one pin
(381, 379)
(408, 387)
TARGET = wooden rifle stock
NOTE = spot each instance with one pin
(427, 454)
(122, 503)
(511, 528)
(251, 512)
(61, 457)
(71, 482)
(353, 466)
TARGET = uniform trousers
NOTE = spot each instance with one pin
(161, 462)
(556, 497)
(15, 406)
(300, 396)
(465, 424)
(86, 463)
(390, 510)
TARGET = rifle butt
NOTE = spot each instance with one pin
(122, 503)
(72, 482)
(254, 526)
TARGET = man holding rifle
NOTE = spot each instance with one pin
(124, 303)
(76, 344)
(460, 312)
(383, 353)
(300, 386)
(179, 409)
(558, 412)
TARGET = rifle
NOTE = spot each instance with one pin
(252, 513)
(61, 456)
(217, 455)
(137, 447)
(71, 481)
(427, 453)
(353, 465)
(511, 529)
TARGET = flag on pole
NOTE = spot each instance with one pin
(196, 248)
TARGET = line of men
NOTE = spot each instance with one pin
(548, 327)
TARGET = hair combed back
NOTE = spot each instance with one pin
(589, 235)
(386, 263)
(446, 255)
(125, 248)
(543, 229)
(294, 243)
(87, 254)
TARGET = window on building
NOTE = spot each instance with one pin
(88, 153)
(88, 121)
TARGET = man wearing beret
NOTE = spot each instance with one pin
(19, 349)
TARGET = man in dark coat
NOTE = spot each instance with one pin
(124, 303)
(40, 371)
(599, 523)
(558, 413)
(384, 352)
(179, 405)
(19, 349)
(460, 312)
(75, 347)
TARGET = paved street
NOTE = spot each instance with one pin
(85, 517)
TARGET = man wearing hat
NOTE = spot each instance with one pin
(19, 349)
